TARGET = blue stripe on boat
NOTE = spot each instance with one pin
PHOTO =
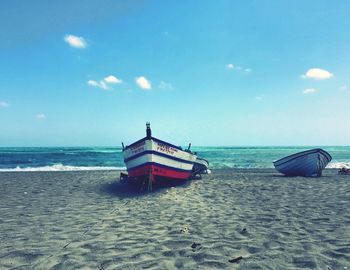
(160, 165)
(158, 154)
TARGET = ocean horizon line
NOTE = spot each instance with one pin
(202, 146)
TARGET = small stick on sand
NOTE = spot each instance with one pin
(67, 245)
(237, 259)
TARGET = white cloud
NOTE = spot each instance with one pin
(308, 91)
(238, 68)
(261, 97)
(317, 74)
(143, 83)
(4, 104)
(112, 80)
(165, 86)
(93, 83)
(40, 116)
(103, 84)
(76, 42)
(343, 88)
(100, 84)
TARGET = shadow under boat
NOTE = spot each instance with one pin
(128, 188)
(309, 163)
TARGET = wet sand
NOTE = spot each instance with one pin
(88, 220)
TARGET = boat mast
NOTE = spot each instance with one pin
(189, 146)
(148, 130)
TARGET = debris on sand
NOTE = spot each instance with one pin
(196, 246)
(236, 260)
(185, 229)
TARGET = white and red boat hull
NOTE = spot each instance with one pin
(151, 156)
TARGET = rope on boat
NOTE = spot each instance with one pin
(85, 232)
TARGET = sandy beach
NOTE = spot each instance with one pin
(88, 220)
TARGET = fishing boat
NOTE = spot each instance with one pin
(152, 159)
(307, 163)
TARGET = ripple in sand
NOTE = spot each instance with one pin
(305, 262)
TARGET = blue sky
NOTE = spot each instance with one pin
(207, 72)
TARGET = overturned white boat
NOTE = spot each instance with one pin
(307, 163)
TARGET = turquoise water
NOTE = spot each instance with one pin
(92, 158)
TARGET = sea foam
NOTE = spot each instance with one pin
(338, 165)
(60, 167)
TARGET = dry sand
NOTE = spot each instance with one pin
(87, 220)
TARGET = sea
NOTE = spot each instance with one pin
(110, 158)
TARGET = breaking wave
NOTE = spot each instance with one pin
(61, 167)
(338, 165)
